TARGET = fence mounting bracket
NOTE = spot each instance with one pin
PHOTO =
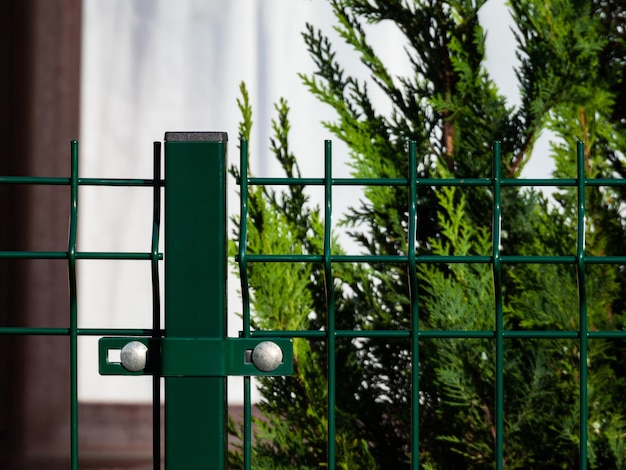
(198, 357)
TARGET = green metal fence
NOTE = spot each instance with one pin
(192, 351)
(72, 255)
(496, 260)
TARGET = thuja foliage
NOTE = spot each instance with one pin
(571, 72)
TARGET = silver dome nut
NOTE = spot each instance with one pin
(134, 356)
(267, 356)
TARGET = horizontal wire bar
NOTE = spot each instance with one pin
(286, 258)
(606, 334)
(467, 334)
(60, 181)
(35, 180)
(556, 182)
(120, 332)
(118, 182)
(605, 182)
(42, 331)
(18, 330)
(100, 255)
(430, 259)
(116, 255)
(486, 182)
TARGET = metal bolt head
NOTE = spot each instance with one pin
(267, 356)
(133, 356)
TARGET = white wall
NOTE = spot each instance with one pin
(151, 66)
(155, 66)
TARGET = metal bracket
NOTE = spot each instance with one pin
(199, 357)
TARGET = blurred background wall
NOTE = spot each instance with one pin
(40, 51)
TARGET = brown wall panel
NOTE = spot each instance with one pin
(39, 115)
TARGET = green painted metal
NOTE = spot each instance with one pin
(156, 301)
(101, 255)
(499, 334)
(71, 260)
(195, 357)
(242, 256)
(108, 367)
(195, 293)
(431, 259)
(435, 182)
(527, 334)
(413, 296)
(582, 304)
(200, 357)
(497, 288)
(72, 255)
(330, 303)
(52, 181)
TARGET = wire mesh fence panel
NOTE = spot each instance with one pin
(72, 257)
(484, 330)
(324, 316)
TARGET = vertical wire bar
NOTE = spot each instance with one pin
(243, 235)
(330, 301)
(245, 297)
(412, 235)
(71, 257)
(156, 304)
(582, 301)
(497, 287)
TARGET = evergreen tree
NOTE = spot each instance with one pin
(572, 67)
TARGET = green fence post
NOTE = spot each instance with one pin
(195, 292)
